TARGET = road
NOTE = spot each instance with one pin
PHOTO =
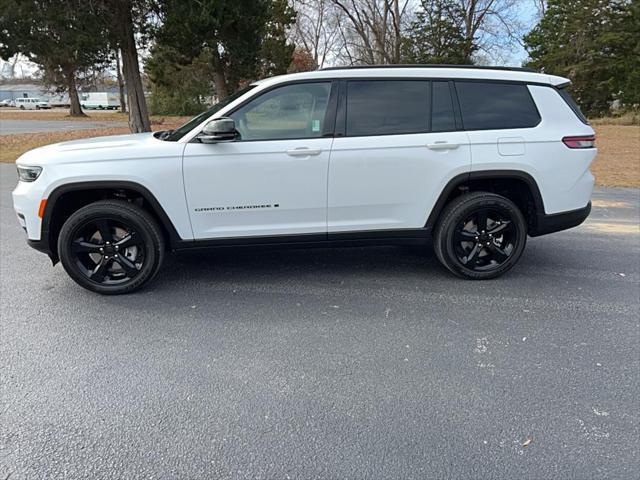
(10, 127)
(346, 363)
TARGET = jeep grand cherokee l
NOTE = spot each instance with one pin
(476, 159)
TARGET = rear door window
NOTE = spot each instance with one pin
(495, 105)
(387, 107)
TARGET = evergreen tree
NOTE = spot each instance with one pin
(437, 35)
(63, 37)
(244, 39)
(595, 43)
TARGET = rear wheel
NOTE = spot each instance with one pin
(111, 247)
(480, 235)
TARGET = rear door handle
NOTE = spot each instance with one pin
(442, 146)
(303, 152)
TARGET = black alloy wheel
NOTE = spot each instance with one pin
(485, 239)
(111, 247)
(480, 235)
(107, 251)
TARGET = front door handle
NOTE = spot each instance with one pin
(442, 146)
(303, 152)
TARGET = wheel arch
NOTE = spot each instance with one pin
(517, 185)
(67, 198)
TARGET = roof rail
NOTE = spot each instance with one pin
(472, 67)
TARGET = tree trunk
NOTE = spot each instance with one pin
(138, 113)
(75, 109)
(123, 103)
(222, 89)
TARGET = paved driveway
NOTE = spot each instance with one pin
(10, 127)
(352, 363)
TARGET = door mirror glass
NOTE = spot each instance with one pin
(218, 130)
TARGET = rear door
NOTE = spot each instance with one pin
(397, 145)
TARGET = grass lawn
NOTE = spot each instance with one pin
(617, 163)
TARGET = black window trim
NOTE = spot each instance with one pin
(335, 117)
(454, 103)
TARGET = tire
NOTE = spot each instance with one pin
(111, 247)
(21, 107)
(480, 253)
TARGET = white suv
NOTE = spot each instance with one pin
(474, 158)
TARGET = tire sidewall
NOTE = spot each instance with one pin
(494, 202)
(87, 214)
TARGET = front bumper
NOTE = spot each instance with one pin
(559, 221)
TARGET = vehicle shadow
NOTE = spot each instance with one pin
(272, 264)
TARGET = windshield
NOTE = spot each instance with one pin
(178, 133)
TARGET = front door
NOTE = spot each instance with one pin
(273, 179)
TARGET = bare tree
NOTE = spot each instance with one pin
(317, 29)
(372, 30)
(541, 7)
(491, 25)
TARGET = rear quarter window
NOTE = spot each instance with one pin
(566, 96)
(494, 105)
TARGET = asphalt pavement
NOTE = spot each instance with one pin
(328, 363)
(10, 127)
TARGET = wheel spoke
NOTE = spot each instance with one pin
(131, 239)
(504, 227)
(498, 254)
(79, 246)
(127, 265)
(105, 230)
(464, 236)
(472, 257)
(100, 272)
(481, 220)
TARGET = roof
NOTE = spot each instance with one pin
(424, 71)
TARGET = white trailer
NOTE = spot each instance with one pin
(100, 101)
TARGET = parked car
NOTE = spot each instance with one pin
(7, 103)
(32, 104)
(100, 101)
(476, 159)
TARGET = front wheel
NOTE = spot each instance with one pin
(111, 247)
(480, 235)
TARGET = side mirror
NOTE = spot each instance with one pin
(219, 130)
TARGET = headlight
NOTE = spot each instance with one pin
(28, 174)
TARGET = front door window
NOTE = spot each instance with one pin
(285, 113)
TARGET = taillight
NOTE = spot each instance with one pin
(585, 141)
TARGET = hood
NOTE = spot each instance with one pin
(99, 148)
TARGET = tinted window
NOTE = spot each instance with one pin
(573, 105)
(292, 111)
(496, 105)
(377, 107)
(442, 117)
